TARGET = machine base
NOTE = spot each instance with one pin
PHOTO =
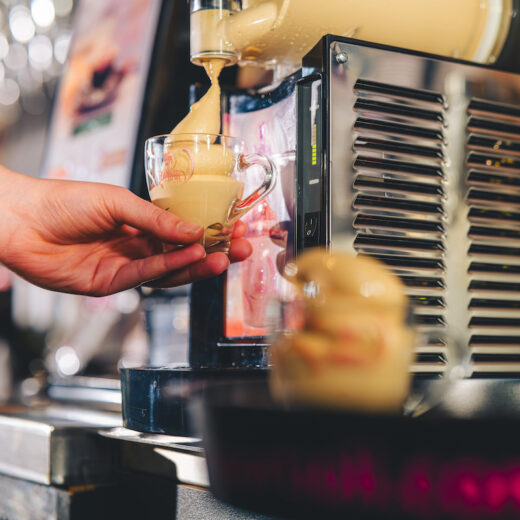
(158, 400)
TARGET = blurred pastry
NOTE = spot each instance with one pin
(353, 348)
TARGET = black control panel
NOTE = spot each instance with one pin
(310, 223)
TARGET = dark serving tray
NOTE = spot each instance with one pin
(461, 459)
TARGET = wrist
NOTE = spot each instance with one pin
(14, 199)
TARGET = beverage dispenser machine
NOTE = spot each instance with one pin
(391, 141)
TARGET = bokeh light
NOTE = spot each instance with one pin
(9, 92)
(34, 42)
(61, 47)
(21, 24)
(40, 52)
(67, 360)
(43, 12)
(4, 46)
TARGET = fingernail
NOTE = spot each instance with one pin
(188, 228)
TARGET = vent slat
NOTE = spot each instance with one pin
(399, 202)
(494, 145)
(426, 319)
(390, 185)
(412, 263)
(398, 110)
(391, 166)
(498, 110)
(493, 151)
(438, 341)
(363, 85)
(484, 285)
(437, 358)
(483, 267)
(493, 181)
(493, 215)
(400, 205)
(493, 197)
(491, 340)
(503, 358)
(492, 162)
(491, 304)
(492, 127)
(363, 221)
(427, 301)
(380, 145)
(424, 282)
(398, 129)
(398, 243)
(481, 321)
(489, 250)
(494, 233)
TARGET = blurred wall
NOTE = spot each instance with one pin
(22, 145)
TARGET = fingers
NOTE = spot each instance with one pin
(239, 250)
(127, 208)
(143, 270)
(239, 230)
(212, 265)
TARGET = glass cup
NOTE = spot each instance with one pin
(198, 178)
(388, 375)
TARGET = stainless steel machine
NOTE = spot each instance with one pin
(413, 159)
(406, 156)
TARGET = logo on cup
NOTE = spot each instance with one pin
(178, 165)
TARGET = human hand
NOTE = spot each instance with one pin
(98, 239)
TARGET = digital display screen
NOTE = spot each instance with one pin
(366, 480)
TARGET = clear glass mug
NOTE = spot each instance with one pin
(197, 177)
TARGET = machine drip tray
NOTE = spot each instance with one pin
(460, 459)
(158, 400)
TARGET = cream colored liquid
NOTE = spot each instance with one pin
(208, 200)
(204, 192)
(284, 31)
(204, 116)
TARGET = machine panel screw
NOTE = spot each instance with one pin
(341, 57)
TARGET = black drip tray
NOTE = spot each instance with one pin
(460, 459)
(158, 400)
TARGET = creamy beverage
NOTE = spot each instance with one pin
(352, 347)
(204, 116)
(208, 200)
(196, 183)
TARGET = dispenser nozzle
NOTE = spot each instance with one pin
(208, 37)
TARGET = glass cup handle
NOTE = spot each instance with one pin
(270, 180)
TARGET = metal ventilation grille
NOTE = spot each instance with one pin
(399, 197)
(493, 160)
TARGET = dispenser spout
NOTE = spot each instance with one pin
(208, 33)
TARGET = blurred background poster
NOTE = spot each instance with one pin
(99, 100)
